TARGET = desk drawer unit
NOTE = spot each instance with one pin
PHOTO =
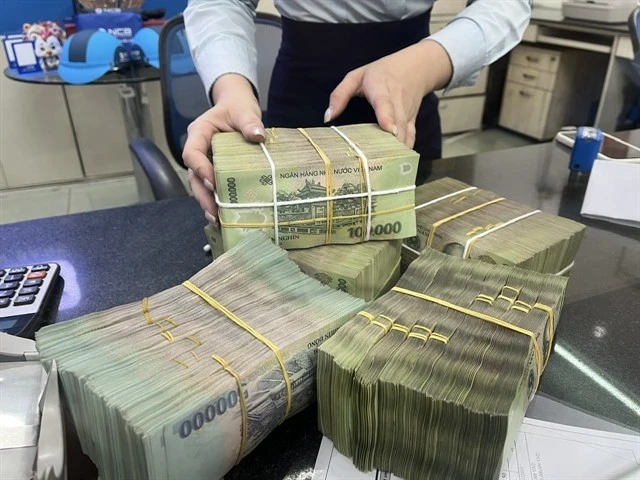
(461, 114)
(525, 109)
(531, 77)
(536, 58)
(547, 89)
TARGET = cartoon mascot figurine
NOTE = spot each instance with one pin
(47, 38)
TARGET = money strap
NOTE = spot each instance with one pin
(469, 245)
(457, 215)
(444, 197)
(537, 352)
(243, 404)
(329, 180)
(364, 166)
(566, 269)
(272, 165)
(257, 335)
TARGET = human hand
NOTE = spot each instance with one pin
(395, 86)
(235, 109)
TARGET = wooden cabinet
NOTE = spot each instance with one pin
(547, 89)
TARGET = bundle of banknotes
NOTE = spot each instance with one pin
(317, 186)
(185, 383)
(431, 380)
(468, 222)
(364, 270)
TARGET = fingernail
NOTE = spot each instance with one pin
(395, 131)
(211, 219)
(327, 115)
(258, 132)
(208, 184)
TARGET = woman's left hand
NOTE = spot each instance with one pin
(395, 86)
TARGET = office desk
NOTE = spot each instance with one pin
(547, 27)
(116, 256)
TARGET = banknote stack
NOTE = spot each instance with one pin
(364, 270)
(317, 186)
(184, 384)
(469, 222)
(432, 380)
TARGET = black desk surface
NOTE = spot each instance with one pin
(116, 256)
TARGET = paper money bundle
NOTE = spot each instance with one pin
(316, 186)
(433, 379)
(365, 270)
(469, 222)
(184, 384)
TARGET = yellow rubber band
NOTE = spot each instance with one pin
(551, 327)
(400, 328)
(367, 315)
(522, 304)
(424, 329)
(514, 290)
(145, 311)
(243, 405)
(485, 298)
(521, 309)
(167, 334)
(194, 339)
(420, 336)
(510, 300)
(328, 179)
(195, 355)
(258, 336)
(496, 321)
(432, 231)
(439, 337)
(180, 362)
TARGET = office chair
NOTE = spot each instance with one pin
(184, 99)
(634, 29)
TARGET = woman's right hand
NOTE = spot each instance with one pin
(235, 109)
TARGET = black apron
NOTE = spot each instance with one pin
(314, 58)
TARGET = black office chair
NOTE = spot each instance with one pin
(184, 99)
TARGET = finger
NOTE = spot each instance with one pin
(380, 99)
(343, 93)
(401, 118)
(410, 141)
(204, 196)
(196, 148)
(251, 127)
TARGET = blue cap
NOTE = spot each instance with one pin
(89, 54)
(145, 46)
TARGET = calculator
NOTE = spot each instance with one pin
(24, 294)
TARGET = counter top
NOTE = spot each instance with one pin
(116, 256)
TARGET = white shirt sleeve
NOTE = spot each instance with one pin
(221, 36)
(481, 34)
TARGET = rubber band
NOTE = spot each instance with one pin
(439, 337)
(145, 311)
(258, 336)
(469, 245)
(401, 328)
(522, 305)
(420, 327)
(444, 197)
(243, 405)
(551, 326)
(407, 247)
(432, 231)
(180, 362)
(194, 339)
(566, 269)
(367, 315)
(537, 352)
(272, 165)
(419, 336)
(481, 297)
(365, 167)
(510, 300)
(195, 355)
(168, 335)
(329, 181)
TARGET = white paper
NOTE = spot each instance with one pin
(543, 451)
(613, 193)
(25, 56)
(8, 45)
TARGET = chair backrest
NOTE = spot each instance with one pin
(183, 95)
(634, 29)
